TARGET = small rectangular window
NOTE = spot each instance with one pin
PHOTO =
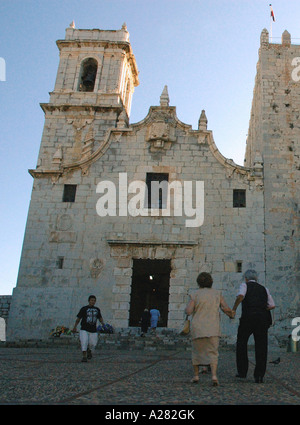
(69, 192)
(239, 198)
(157, 185)
(239, 265)
(60, 262)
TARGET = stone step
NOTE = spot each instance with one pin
(120, 340)
(132, 342)
(125, 340)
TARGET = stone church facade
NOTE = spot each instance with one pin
(92, 227)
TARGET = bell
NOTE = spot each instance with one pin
(89, 79)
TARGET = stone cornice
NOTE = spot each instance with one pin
(150, 242)
(155, 112)
(53, 174)
(123, 44)
(50, 107)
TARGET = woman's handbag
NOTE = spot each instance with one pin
(186, 327)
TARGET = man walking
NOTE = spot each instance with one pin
(255, 319)
(88, 333)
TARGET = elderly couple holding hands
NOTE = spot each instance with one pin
(204, 306)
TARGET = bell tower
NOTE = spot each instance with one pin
(92, 96)
(97, 62)
(95, 82)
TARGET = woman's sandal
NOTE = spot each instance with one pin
(195, 380)
(215, 383)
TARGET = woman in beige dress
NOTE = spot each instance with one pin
(204, 306)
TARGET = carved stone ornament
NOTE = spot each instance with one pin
(79, 123)
(57, 158)
(96, 267)
(205, 267)
(202, 138)
(160, 135)
(88, 144)
(64, 222)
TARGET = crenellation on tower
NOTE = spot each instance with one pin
(286, 39)
(264, 38)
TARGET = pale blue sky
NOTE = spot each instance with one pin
(205, 51)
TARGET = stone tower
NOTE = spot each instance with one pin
(274, 139)
(93, 91)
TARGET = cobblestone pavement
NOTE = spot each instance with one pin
(56, 376)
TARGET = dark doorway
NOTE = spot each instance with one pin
(150, 289)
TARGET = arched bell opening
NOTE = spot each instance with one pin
(88, 74)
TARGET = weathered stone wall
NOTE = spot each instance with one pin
(5, 301)
(50, 296)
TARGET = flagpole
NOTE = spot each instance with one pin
(272, 18)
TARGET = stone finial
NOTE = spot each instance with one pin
(122, 120)
(124, 26)
(88, 144)
(258, 165)
(96, 266)
(164, 98)
(286, 38)
(202, 123)
(57, 157)
(72, 24)
(264, 37)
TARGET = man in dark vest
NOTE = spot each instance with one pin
(255, 319)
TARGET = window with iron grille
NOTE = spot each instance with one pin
(239, 266)
(239, 198)
(60, 263)
(157, 185)
(69, 192)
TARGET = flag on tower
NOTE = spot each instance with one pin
(272, 13)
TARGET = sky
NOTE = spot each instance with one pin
(204, 51)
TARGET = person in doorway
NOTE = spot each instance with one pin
(155, 316)
(88, 316)
(145, 321)
(255, 319)
(204, 306)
